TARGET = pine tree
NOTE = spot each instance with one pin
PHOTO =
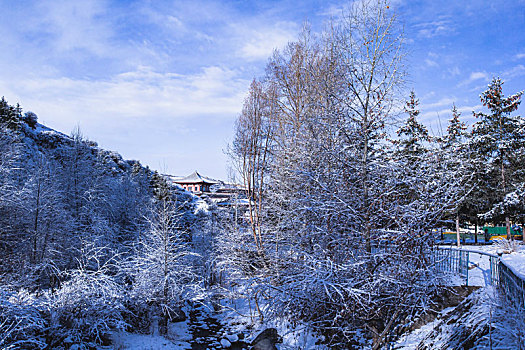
(500, 142)
(454, 154)
(456, 131)
(9, 115)
(413, 136)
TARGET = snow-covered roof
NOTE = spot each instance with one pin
(195, 177)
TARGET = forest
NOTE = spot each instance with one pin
(335, 163)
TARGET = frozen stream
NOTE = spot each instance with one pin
(207, 332)
(201, 331)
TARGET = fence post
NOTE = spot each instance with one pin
(467, 262)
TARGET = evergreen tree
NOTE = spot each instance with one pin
(410, 151)
(499, 142)
(455, 156)
(30, 119)
(9, 115)
(413, 136)
(456, 131)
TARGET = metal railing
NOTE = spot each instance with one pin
(457, 261)
(501, 275)
(512, 285)
(451, 260)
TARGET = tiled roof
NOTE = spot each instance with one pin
(195, 177)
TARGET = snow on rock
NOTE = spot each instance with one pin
(225, 343)
(232, 338)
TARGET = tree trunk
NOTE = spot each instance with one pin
(507, 224)
(35, 225)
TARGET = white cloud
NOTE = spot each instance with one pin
(475, 76)
(441, 26)
(431, 63)
(259, 42)
(333, 11)
(454, 71)
(141, 94)
(520, 56)
(514, 72)
(76, 25)
(445, 101)
(164, 119)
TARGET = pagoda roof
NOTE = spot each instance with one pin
(194, 178)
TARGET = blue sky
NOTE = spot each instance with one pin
(163, 81)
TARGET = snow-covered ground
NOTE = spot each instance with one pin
(514, 260)
(412, 339)
(482, 321)
(178, 338)
(241, 319)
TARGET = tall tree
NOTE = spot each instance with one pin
(455, 152)
(252, 149)
(369, 46)
(162, 267)
(413, 137)
(499, 141)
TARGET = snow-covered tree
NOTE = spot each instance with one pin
(499, 140)
(335, 188)
(89, 304)
(413, 138)
(252, 149)
(42, 200)
(162, 266)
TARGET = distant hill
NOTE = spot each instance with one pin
(57, 189)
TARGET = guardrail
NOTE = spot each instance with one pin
(457, 261)
(451, 260)
(501, 275)
(512, 285)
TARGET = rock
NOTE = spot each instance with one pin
(225, 343)
(232, 337)
(266, 340)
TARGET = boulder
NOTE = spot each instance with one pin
(266, 340)
(225, 343)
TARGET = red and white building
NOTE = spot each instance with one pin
(195, 183)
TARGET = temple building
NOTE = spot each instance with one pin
(195, 183)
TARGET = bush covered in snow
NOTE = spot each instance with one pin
(22, 324)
